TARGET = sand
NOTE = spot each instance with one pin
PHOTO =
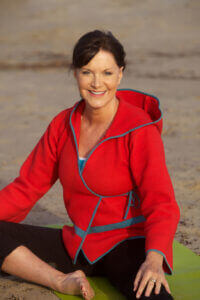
(163, 55)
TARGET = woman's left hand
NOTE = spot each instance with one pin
(149, 274)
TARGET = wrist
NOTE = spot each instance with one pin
(154, 256)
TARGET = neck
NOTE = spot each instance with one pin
(101, 115)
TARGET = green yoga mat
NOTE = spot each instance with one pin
(184, 283)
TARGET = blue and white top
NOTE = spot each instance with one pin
(81, 162)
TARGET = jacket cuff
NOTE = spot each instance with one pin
(166, 265)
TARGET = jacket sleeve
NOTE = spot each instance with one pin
(158, 204)
(37, 174)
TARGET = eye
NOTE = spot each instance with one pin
(108, 73)
(85, 72)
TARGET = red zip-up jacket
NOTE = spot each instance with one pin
(124, 190)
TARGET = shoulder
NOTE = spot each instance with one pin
(59, 125)
(128, 118)
(132, 111)
(61, 120)
(61, 116)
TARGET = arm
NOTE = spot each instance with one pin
(37, 175)
(158, 203)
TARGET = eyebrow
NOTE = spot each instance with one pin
(108, 69)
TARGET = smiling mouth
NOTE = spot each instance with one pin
(97, 93)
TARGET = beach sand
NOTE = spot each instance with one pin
(163, 55)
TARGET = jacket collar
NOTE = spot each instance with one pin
(135, 110)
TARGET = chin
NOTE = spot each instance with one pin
(94, 105)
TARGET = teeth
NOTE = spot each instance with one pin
(97, 93)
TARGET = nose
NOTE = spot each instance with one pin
(96, 81)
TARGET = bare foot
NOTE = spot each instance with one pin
(76, 283)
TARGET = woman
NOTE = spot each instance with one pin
(108, 154)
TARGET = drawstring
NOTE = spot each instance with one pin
(131, 202)
(136, 198)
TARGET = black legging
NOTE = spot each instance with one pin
(120, 265)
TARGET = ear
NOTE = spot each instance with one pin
(75, 73)
(120, 74)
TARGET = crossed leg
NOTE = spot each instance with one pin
(26, 251)
(120, 265)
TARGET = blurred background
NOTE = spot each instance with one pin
(162, 42)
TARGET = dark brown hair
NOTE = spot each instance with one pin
(90, 43)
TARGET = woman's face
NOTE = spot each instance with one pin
(99, 79)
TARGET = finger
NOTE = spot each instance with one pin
(150, 286)
(158, 287)
(166, 285)
(142, 285)
(137, 280)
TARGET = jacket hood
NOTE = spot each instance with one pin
(149, 104)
